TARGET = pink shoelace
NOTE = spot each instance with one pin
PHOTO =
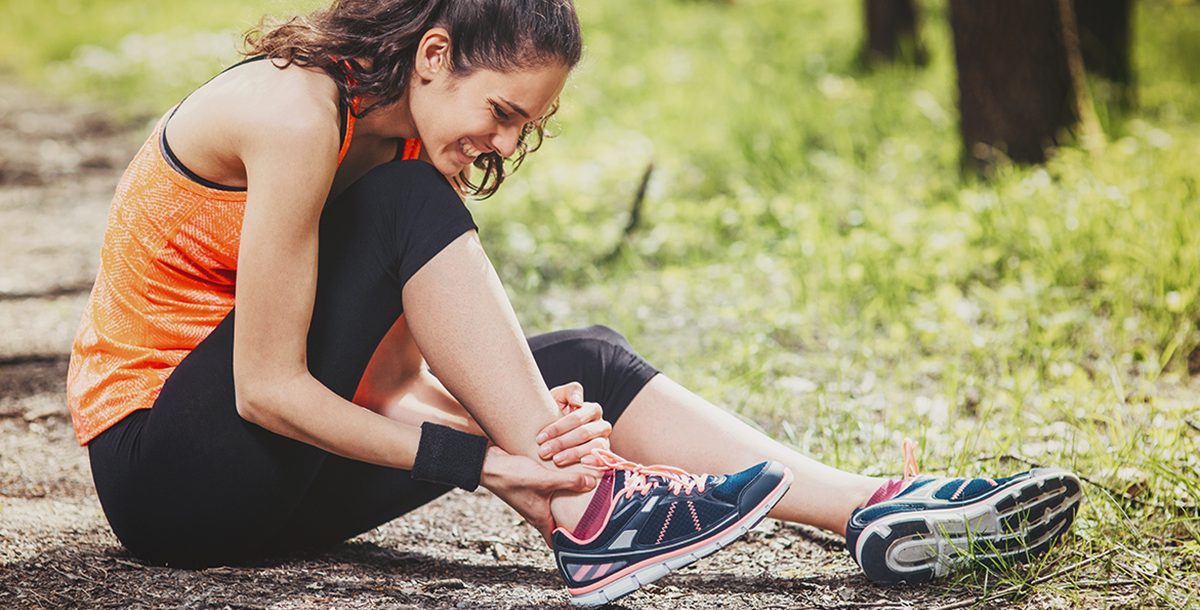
(893, 487)
(642, 479)
(638, 479)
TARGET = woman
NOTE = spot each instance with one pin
(373, 361)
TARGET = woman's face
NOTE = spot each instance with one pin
(460, 117)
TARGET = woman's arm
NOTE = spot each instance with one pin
(289, 170)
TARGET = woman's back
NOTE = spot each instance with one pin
(169, 260)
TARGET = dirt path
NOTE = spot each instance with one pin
(58, 166)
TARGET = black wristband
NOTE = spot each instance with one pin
(450, 457)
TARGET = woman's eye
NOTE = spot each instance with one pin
(499, 112)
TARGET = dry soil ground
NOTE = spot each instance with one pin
(58, 166)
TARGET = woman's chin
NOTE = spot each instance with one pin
(447, 167)
(451, 165)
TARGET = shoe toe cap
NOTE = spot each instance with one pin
(748, 488)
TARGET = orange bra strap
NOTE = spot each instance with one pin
(412, 146)
(412, 149)
(349, 130)
(355, 103)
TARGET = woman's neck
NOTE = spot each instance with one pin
(386, 122)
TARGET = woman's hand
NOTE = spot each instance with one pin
(571, 438)
(527, 486)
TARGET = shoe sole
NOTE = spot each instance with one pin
(657, 568)
(1012, 525)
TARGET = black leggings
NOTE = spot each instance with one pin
(190, 483)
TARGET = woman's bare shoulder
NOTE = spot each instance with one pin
(253, 104)
(292, 97)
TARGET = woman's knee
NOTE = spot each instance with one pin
(591, 339)
(598, 357)
(604, 335)
(403, 212)
(408, 179)
(590, 348)
(392, 196)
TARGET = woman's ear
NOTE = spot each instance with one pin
(433, 54)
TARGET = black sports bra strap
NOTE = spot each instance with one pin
(174, 162)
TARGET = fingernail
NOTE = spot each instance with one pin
(577, 398)
(544, 452)
(541, 437)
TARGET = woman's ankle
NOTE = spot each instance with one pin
(568, 508)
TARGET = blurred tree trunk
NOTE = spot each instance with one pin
(1020, 78)
(1105, 40)
(892, 33)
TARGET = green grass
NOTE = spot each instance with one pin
(141, 56)
(810, 255)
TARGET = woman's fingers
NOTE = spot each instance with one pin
(579, 452)
(566, 480)
(588, 412)
(531, 477)
(575, 436)
(568, 396)
(571, 437)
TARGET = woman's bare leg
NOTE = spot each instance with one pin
(397, 385)
(462, 322)
(667, 424)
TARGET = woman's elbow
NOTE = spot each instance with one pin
(253, 402)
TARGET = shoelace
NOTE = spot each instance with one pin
(892, 487)
(641, 479)
(911, 469)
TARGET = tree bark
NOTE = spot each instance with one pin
(1105, 33)
(1020, 78)
(891, 27)
(1105, 40)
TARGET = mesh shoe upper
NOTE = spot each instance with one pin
(653, 511)
(929, 493)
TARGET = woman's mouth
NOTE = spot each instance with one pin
(468, 151)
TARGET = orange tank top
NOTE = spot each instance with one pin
(168, 266)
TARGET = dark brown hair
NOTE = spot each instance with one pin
(500, 35)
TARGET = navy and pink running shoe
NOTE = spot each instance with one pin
(646, 521)
(918, 528)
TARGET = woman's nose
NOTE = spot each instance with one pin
(504, 141)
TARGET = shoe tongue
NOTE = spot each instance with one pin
(597, 510)
(887, 491)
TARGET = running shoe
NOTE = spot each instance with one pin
(646, 521)
(918, 528)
